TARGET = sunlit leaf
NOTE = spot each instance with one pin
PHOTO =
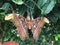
(58, 35)
(44, 40)
(5, 7)
(19, 2)
(56, 38)
(48, 7)
(40, 3)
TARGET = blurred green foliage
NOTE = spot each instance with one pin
(50, 34)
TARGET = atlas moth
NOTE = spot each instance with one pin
(23, 24)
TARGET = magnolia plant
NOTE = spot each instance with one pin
(23, 24)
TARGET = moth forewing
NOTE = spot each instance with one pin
(40, 25)
(21, 29)
(36, 33)
(18, 23)
(22, 32)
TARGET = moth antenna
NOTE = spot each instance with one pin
(28, 16)
(32, 17)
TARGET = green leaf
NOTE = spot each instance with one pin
(5, 7)
(40, 3)
(19, 2)
(58, 1)
(48, 7)
(6, 37)
(44, 40)
(58, 35)
(53, 19)
(47, 43)
(57, 14)
(21, 10)
(56, 38)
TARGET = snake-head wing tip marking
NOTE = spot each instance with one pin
(46, 20)
(9, 16)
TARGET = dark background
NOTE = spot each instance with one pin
(50, 34)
